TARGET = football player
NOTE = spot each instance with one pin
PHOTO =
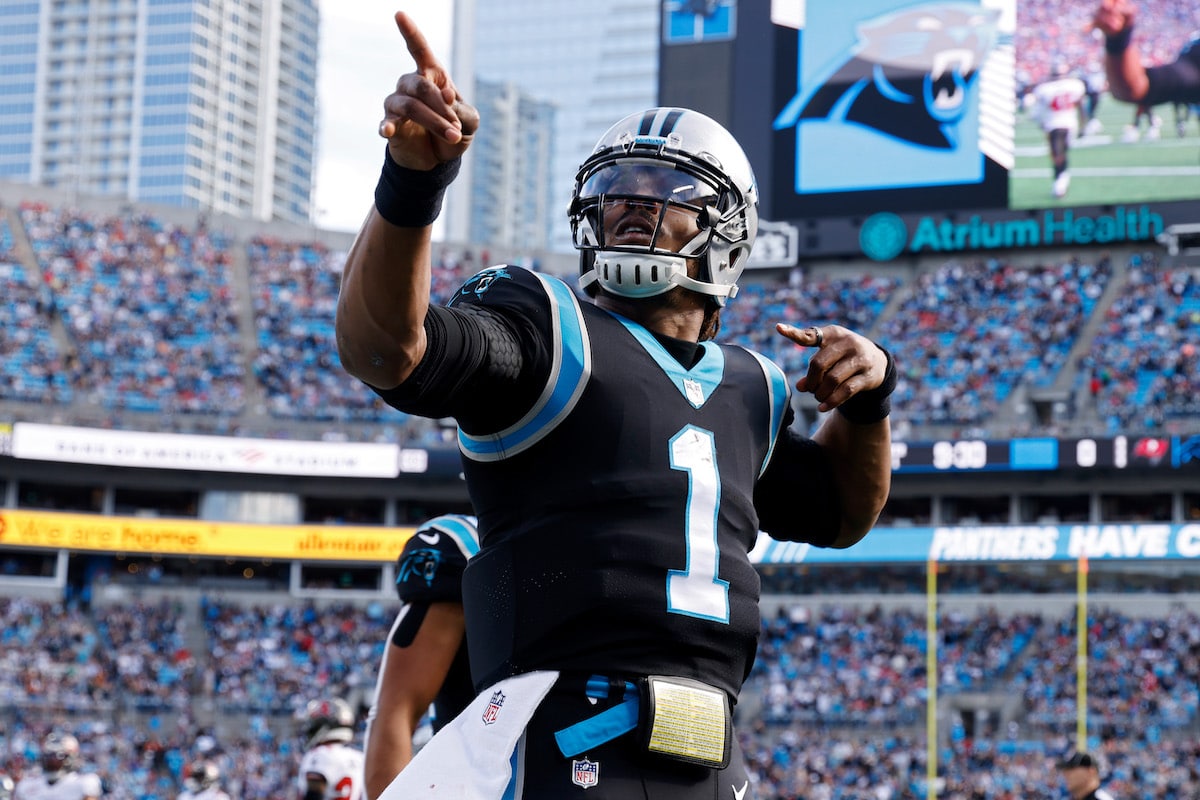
(1058, 107)
(61, 776)
(1131, 80)
(620, 461)
(331, 768)
(202, 781)
(425, 661)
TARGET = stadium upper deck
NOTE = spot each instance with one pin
(129, 318)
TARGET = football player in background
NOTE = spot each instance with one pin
(1058, 107)
(1142, 113)
(330, 769)
(1081, 777)
(61, 776)
(1097, 84)
(1131, 80)
(202, 781)
(1183, 113)
(425, 661)
(621, 463)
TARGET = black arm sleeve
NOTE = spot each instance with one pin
(796, 498)
(1177, 82)
(471, 352)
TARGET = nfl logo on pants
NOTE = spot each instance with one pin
(585, 773)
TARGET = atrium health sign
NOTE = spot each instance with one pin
(885, 235)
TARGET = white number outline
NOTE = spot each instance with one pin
(696, 591)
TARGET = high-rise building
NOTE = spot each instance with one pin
(511, 169)
(595, 62)
(205, 104)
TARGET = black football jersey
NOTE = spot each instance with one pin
(1178, 81)
(429, 570)
(617, 515)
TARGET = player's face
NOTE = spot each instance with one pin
(54, 761)
(1075, 779)
(649, 205)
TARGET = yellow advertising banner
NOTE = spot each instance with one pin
(59, 531)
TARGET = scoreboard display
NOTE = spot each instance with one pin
(892, 128)
(1047, 454)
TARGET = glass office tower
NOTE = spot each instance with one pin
(594, 62)
(205, 104)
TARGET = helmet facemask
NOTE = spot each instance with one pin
(328, 721)
(658, 187)
(60, 755)
(201, 776)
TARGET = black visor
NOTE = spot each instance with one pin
(648, 180)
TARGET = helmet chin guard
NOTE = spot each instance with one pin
(646, 275)
(667, 159)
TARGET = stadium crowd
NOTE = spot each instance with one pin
(834, 709)
(973, 332)
(1143, 366)
(130, 313)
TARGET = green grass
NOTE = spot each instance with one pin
(1104, 170)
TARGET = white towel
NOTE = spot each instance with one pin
(470, 758)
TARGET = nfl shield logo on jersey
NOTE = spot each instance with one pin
(492, 712)
(585, 773)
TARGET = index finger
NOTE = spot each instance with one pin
(418, 47)
(422, 54)
(811, 336)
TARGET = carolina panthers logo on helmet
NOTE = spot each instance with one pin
(419, 565)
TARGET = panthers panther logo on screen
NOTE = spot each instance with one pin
(895, 93)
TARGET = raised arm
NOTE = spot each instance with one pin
(1127, 79)
(386, 280)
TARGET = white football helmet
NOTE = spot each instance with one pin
(669, 159)
(328, 721)
(201, 775)
(60, 755)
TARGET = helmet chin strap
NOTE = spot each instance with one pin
(646, 275)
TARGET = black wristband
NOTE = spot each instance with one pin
(1119, 42)
(412, 198)
(873, 405)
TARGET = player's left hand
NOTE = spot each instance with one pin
(844, 364)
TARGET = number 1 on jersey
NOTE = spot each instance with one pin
(696, 590)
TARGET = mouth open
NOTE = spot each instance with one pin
(634, 228)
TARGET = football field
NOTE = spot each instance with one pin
(1106, 170)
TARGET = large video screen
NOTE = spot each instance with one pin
(916, 106)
